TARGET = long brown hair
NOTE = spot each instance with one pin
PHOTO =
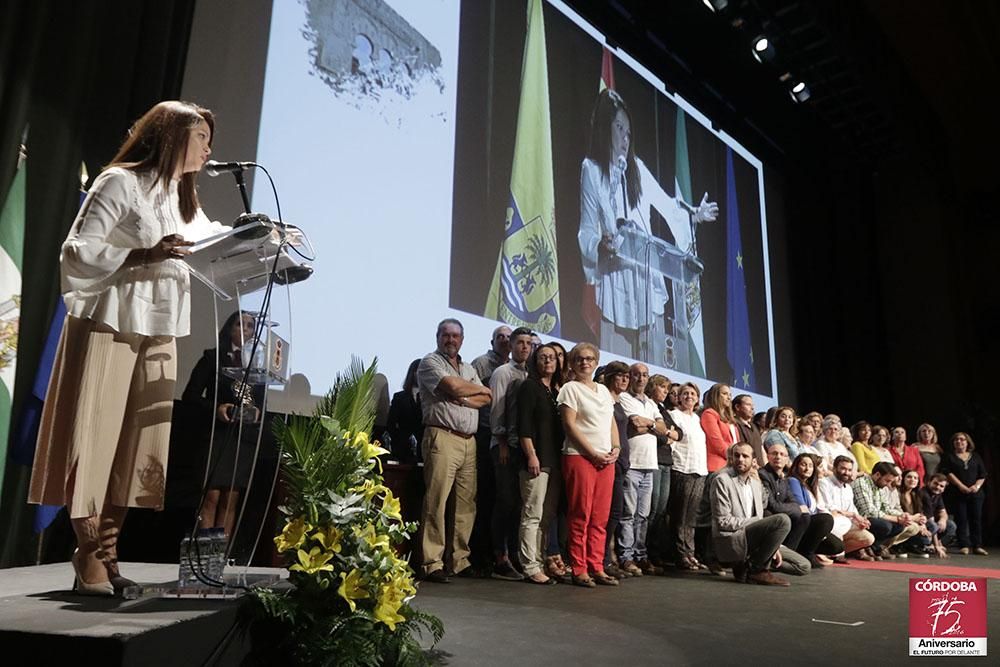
(713, 399)
(158, 142)
(909, 499)
(606, 107)
(812, 482)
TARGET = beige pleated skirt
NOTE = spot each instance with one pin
(105, 427)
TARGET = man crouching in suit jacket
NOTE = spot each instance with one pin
(743, 536)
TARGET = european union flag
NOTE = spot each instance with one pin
(525, 288)
(738, 347)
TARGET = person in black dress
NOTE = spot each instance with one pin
(406, 422)
(235, 424)
(965, 494)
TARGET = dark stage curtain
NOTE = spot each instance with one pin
(76, 74)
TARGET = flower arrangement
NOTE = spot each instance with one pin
(350, 590)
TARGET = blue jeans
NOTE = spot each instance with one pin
(638, 488)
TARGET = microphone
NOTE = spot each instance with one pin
(623, 165)
(213, 168)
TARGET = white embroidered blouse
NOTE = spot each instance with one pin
(123, 211)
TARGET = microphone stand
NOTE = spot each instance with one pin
(241, 184)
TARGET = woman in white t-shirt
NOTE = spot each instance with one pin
(589, 453)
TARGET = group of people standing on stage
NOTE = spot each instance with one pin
(625, 473)
(638, 474)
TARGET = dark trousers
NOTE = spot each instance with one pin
(615, 517)
(763, 539)
(968, 511)
(481, 542)
(818, 529)
(507, 503)
(883, 530)
(800, 524)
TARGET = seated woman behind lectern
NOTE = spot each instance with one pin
(228, 469)
(102, 444)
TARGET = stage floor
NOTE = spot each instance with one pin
(695, 619)
(40, 617)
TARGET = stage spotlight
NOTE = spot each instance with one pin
(716, 5)
(763, 49)
(800, 92)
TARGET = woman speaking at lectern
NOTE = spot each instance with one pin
(617, 191)
(102, 444)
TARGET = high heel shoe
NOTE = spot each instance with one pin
(81, 587)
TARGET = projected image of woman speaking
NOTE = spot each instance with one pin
(617, 196)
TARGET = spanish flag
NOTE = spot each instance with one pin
(525, 288)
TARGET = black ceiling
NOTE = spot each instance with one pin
(884, 75)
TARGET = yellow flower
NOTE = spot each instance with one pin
(390, 599)
(390, 506)
(369, 489)
(373, 539)
(293, 535)
(329, 538)
(360, 438)
(351, 588)
(368, 449)
(314, 561)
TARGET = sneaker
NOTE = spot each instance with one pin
(631, 569)
(506, 572)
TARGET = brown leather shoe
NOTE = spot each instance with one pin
(648, 568)
(438, 577)
(630, 568)
(765, 578)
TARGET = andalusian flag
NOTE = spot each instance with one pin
(11, 251)
(692, 291)
(525, 288)
(738, 348)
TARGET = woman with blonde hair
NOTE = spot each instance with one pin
(102, 443)
(929, 447)
(590, 450)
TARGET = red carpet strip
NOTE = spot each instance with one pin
(921, 566)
